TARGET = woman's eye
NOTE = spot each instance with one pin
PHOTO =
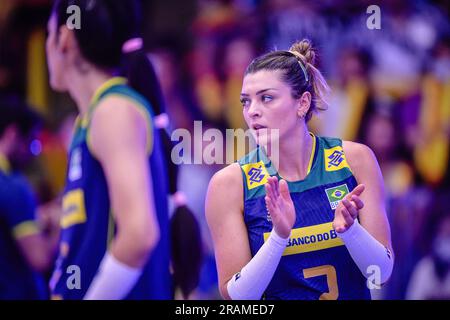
(266, 98)
(245, 102)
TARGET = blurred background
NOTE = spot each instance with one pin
(391, 91)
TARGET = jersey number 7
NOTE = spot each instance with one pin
(330, 272)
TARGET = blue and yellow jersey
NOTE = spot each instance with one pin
(17, 220)
(315, 264)
(87, 222)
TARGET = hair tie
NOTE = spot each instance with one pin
(299, 59)
(161, 121)
(179, 198)
(132, 45)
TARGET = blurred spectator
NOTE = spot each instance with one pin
(290, 20)
(408, 31)
(53, 158)
(405, 214)
(206, 84)
(351, 101)
(178, 101)
(237, 55)
(433, 128)
(431, 276)
(387, 145)
(27, 243)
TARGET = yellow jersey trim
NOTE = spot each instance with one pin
(311, 158)
(24, 229)
(5, 166)
(84, 121)
(105, 86)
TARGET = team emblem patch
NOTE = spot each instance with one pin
(335, 159)
(256, 174)
(336, 194)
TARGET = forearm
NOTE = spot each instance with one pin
(251, 282)
(119, 270)
(52, 240)
(114, 280)
(366, 251)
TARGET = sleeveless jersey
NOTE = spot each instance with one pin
(315, 264)
(87, 223)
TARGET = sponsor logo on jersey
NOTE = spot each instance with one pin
(335, 159)
(312, 238)
(256, 174)
(336, 194)
(74, 211)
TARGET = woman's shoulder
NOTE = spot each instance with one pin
(230, 175)
(225, 190)
(116, 112)
(359, 156)
(356, 149)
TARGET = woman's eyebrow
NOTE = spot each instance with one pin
(258, 92)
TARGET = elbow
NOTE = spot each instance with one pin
(145, 239)
(388, 268)
(224, 292)
(379, 274)
(386, 275)
(137, 242)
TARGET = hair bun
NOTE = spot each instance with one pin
(304, 48)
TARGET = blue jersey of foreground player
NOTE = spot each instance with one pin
(315, 264)
(87, 223)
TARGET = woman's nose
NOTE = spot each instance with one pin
(254, 110)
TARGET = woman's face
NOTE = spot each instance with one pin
(55, 57)
(268, 104)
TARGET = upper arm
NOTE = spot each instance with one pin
(19, 212)
(224, 214)
(366, 170)
(36, 251)
(118, 138)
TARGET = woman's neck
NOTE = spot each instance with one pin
(294, 154)
(82, 87)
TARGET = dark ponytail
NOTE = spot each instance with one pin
(139, 71)
(186, 244)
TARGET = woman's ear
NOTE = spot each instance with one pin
(66, 39)
(304, 104)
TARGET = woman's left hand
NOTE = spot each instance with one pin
(347, 210)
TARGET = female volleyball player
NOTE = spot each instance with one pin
(311, 223)
(114, 241)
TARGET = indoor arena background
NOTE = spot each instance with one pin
(390, 90)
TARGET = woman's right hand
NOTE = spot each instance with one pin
(280, 206)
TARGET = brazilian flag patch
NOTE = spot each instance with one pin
(336, 194)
